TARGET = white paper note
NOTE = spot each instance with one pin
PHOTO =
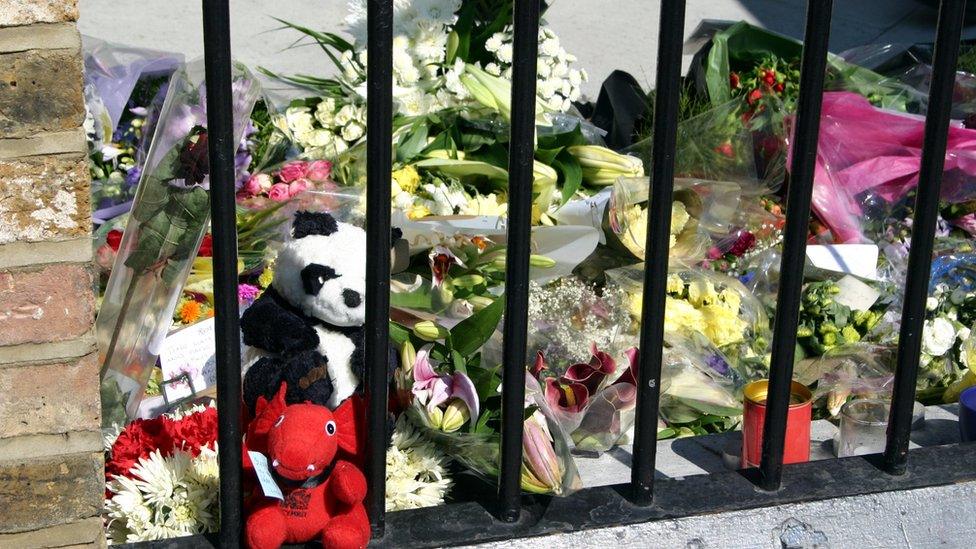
(857, 259)
(189, 351)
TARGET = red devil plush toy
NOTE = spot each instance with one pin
(323, 493)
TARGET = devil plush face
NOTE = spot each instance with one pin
(322, 269)
(303, 442)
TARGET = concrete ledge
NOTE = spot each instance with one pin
(927, 517)
(67, 142)
(86, 532)
(17, 355)
(55, 36)
(46, 445)
(23, 254)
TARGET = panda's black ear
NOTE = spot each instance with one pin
(395, 234)
(313, 223)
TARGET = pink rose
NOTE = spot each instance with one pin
(279, 192)
(319, 170)
(264, 182)
(292, 171)
(252, 186)
(296, 187)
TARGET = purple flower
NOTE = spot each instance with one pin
(717, 363)
(247, 293)
(132, 176)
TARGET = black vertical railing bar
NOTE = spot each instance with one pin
(932, 163)
(379, 127)
(520, 177)
(804, 150)
(668, 90)
(223, 208)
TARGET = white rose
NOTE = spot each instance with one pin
(319, 138)
(298, 119)
(938, 336)
(345, 115)
(352, 132)
(963, 333)
(931, 304)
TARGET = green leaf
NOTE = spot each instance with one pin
(412, 142)
(570, 173)
(458, 362)
(471, 333)
(463, 168)
(399, 334)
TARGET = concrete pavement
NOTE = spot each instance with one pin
(604, 34)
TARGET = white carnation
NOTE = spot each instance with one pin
(352, 132)
(494, 43)
(505, 53)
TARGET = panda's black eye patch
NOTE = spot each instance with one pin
(314, 276)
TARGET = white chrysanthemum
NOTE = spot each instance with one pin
(505, 53)
(159, 478)
(493, 69)
(494, 43)
(416, 473)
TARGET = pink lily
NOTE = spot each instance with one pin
(432, 389)
(542, 471)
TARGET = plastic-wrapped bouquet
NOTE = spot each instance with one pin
(166, 226)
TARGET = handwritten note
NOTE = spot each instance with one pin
(189, 353)
(268, 484)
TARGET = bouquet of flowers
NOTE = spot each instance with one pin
(449, 390)
(164, 232)
(162, 477)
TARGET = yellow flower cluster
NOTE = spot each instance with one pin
(697, 305)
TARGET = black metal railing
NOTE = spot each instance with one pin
(468, 522)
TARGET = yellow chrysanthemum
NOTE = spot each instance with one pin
(407, 178)
(702, 292)
(679, 314)
(675, 284)
(721, 325)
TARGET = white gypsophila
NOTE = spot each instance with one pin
(416, 471)
(938, 336)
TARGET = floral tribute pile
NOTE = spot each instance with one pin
(452, 68)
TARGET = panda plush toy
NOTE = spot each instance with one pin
(307, 328)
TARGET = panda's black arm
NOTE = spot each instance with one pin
(272, 325)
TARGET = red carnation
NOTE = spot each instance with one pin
(196, 431)
(139, 439)
(114, 239)
(769, 77)
(206, 246)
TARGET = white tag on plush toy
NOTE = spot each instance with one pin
(268, 485)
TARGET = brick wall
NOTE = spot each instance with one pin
(51, 478)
